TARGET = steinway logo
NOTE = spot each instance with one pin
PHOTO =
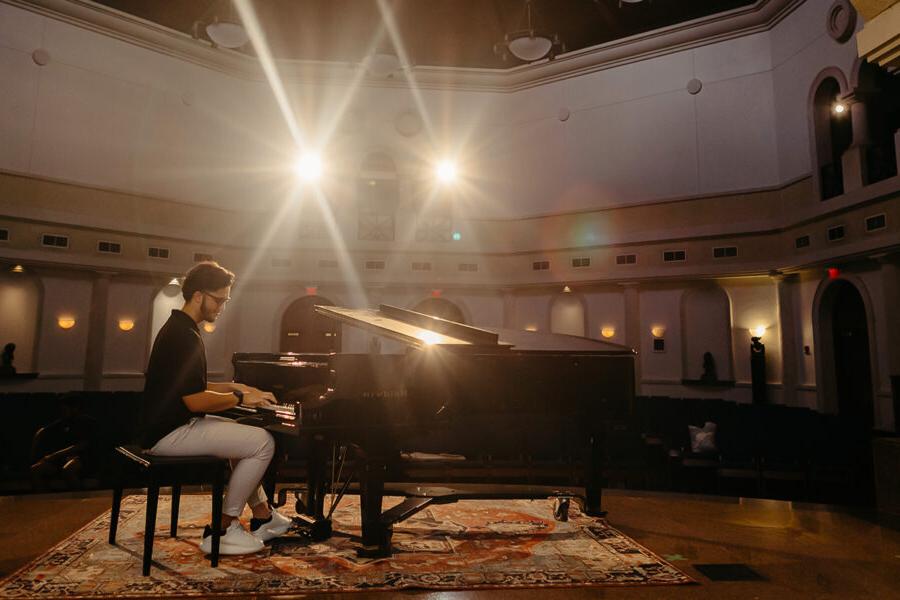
(385, 394)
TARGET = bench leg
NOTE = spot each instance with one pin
(150, 524)
(217, 492)
(176, 501)
(114, 513)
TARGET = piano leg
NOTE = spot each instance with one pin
(316, 478)
(376, 536)
(593, 477)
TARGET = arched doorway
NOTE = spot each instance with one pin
(852, 363)
(443, 309)
(847, 366)
(303, 330)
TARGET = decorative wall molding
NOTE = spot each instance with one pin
(761, 16)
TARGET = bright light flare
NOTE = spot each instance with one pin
(446, 171)
(839, 108)
(309, 167)
(429, 337)
(758, 331)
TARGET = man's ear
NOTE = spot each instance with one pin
(197, 298)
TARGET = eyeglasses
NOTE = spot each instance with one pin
(217, 299)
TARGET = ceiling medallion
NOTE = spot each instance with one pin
(529, 44)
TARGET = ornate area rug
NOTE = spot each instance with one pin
(468, 545)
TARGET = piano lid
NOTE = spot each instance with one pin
(413, 328)
(421, 330)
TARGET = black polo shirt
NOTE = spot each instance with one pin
(177, 368)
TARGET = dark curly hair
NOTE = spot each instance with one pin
(205, 276)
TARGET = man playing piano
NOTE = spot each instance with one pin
(178, 413)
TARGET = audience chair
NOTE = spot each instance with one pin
(157, 471)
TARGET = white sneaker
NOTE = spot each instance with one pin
(269, 530)
(235, 541)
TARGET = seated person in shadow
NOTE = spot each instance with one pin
(6, 361)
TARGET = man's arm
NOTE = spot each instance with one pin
(251, 394)
(209, 401)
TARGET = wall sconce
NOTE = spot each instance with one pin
(758, 331)
(658, 331)
(567, 290)
(608, 331)
(531, 328)
(175, 281)
(126, 324)
(18, 269)
(66, 322)
(209, 327)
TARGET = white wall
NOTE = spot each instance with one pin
(161, 126)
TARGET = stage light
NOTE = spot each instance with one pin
(126, 324)
(608, 331)
(309, 167)
(758, 331)
(66, 322)
(446, 171)
(209, 327)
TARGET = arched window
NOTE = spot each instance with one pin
(832, 136)
(441, 308)
(880, 92)
(306, 331)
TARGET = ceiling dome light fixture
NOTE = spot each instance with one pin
(225, 32)
(529, 44)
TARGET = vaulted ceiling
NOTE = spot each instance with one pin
(446, 33)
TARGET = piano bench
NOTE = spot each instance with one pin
(157, 471)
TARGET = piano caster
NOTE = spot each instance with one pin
(561, 508)
(380, 547)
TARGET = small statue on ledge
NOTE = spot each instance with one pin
(709, 369)
(6, 361)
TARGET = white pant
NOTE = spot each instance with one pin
(250, 448)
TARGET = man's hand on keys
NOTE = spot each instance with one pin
(255, 397)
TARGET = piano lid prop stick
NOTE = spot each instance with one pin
(333, 482)
(340, 495)
(342, 456)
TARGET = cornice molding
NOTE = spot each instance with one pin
(761, 16)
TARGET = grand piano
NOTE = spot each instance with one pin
(461, 404)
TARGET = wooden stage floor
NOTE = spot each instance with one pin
(801, 550)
